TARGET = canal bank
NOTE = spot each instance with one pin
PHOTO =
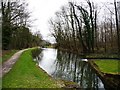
(25, 74)
(110, 80)
(92, 55)
(69, 67)
(110, 75)
(62, 83)
(57, 67)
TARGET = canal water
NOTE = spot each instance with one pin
(67, 66)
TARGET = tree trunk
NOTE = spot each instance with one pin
(117, 28)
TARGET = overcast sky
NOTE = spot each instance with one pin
(43, 10)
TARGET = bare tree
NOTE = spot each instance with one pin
(117, 27)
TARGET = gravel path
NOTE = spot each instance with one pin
(6, 66)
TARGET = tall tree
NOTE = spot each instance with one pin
(92, 23)
(117, 27)
(15, 31)
(6, 26)
(79, 28)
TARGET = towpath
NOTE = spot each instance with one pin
(7, 65)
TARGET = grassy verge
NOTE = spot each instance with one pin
(108, 66)
(7, 55)
(25, 74)
(108, 71)
(103, 56)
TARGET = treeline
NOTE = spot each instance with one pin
(15, 26)
(83, 27)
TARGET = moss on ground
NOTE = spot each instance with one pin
(25, 74)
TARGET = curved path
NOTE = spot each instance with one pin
(7, 65)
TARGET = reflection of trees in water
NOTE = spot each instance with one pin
(70, 67)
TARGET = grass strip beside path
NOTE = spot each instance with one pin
(25, 74)
(108, 66)
(7, 55)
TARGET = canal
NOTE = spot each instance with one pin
(68, 66)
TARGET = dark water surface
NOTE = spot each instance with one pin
(66, 66)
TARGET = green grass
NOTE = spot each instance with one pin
(108, 66)
(26, 74)
(7, 55)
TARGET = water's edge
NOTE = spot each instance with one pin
(64, 62)
(108, 83)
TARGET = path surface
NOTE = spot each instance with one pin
(6, 66)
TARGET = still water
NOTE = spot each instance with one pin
(67, 66)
